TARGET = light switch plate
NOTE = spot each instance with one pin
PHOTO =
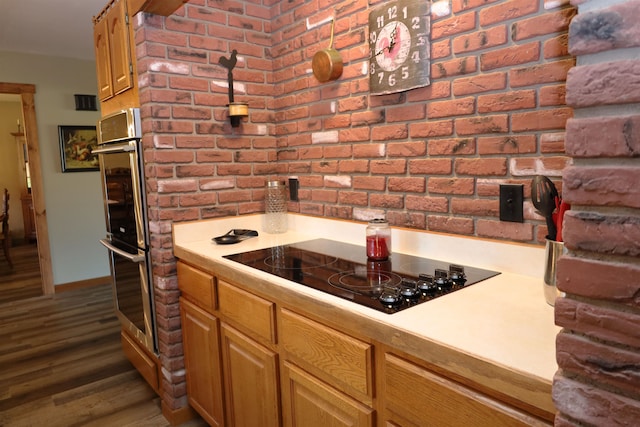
(511, 202)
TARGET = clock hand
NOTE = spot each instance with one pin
(381, 51)
(392, 43)
(387, 48)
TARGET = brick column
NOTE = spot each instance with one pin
(598, 351)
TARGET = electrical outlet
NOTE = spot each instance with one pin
(511, 202)
(293, 189)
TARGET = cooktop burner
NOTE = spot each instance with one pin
(343, 270)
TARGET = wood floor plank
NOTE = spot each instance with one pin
(23, 280)
(62, 365)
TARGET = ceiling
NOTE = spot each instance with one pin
(49, 27)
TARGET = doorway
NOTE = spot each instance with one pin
(26, 92)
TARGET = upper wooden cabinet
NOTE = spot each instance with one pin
(113, 51)
(119, 47)
(103, 59)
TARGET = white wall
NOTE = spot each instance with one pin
(74, 206)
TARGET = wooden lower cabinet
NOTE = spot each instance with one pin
(251, 381)
(201, 339)
(254, 361)
(308, 402)
(414, 396)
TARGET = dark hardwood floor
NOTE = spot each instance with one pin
(23, 281)
(61, 363)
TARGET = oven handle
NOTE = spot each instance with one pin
(116, 149)
(127, 255)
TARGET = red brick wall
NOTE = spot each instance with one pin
(430, 158)
(197, 165)
(598, 351)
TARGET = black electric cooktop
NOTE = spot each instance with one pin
(343, 270)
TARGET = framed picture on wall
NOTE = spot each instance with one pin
(76, 146)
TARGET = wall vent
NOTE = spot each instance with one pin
(86, 103)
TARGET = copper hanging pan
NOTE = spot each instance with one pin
(327, 63)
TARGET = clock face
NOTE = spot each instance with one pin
(393, 46)
(399, 46)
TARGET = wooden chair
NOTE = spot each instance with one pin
(5, 236)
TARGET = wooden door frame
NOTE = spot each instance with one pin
(26, 92)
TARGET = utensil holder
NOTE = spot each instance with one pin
(552, 252)
(275, 208)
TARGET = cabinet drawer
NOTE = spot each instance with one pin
(255, 314)
(342, 361)
(197, 285)
(145, 364)
(413, 393)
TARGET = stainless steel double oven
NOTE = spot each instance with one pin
(122, 173)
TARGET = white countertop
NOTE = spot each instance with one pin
(503, 320)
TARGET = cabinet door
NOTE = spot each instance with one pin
(309, 402)
(103, 59)
(120, 51)
(251, 381)
(201, 341)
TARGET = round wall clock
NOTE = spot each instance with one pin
(399, 46)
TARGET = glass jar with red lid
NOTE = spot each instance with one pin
(378, 240)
